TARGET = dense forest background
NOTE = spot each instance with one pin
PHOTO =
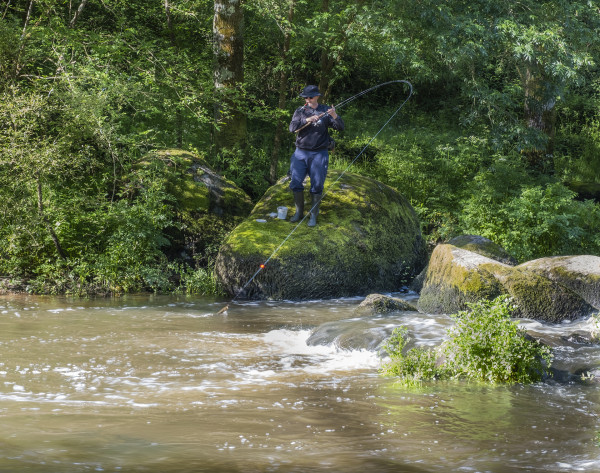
(501, 137)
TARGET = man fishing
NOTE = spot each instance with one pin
(311, 122)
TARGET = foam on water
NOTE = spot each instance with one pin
(318, 359)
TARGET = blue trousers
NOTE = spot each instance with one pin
(312, 163)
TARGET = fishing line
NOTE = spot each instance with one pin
(341, 104)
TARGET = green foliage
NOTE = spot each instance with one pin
(485, 345)
(80, 102)
(530, 221)
(246, 167)
(412, 366)
(201, 281)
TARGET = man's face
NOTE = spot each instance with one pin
(312, 101)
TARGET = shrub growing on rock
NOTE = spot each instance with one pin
(485, 345)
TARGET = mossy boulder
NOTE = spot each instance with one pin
(476, 244)
(207, 206)
(456, 276)
(375, 304)
(579, 273)
(367, 239)
(537, 297)
(195, 186)
(483, 246)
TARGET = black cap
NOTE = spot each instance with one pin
(310, 91)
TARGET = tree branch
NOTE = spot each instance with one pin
(78, 13)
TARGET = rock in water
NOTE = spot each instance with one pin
(484, 247)
(367, 239)
(456, 276)
(477, 244)
(579, 273)
(379, 304)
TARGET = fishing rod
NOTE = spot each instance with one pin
(341, 104)
(354, 97)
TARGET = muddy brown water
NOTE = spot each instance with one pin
(163, 384)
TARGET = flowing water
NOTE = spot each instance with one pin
(164, 384)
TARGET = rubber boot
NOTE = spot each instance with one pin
(299, 202)
(316, 201)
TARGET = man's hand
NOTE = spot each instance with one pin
(331, 112)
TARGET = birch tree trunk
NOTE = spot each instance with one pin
(228, 37)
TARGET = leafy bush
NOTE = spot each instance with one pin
(413, 367)
(485, 345)
(200, 281)
(532, 221)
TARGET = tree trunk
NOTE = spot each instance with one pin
(540, 115)
(169, 22)
(326, 62)
(17, 68)
(53, 235)
(329, 59)
(228, 24)
(178, 112)
(283, 87)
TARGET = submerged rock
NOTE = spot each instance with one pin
(367, 239)
(456, 277)
(351, 334)
(380, 304)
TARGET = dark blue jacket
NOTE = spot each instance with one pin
(314, 136)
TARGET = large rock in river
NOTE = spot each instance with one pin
(367, 239)
(579, 273)
(483, 246)
(457, 276)
(476, 244)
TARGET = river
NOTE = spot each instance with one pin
(164, 384)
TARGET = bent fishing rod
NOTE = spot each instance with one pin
(341, 104)
(354, 97)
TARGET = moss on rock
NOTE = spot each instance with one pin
(454, 278)
(579, 273)
(195, 186)
(537, 297)
(367, 239)
(457, 276)
(207, 206)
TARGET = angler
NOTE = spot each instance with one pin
(311, 123)
(307, 94)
